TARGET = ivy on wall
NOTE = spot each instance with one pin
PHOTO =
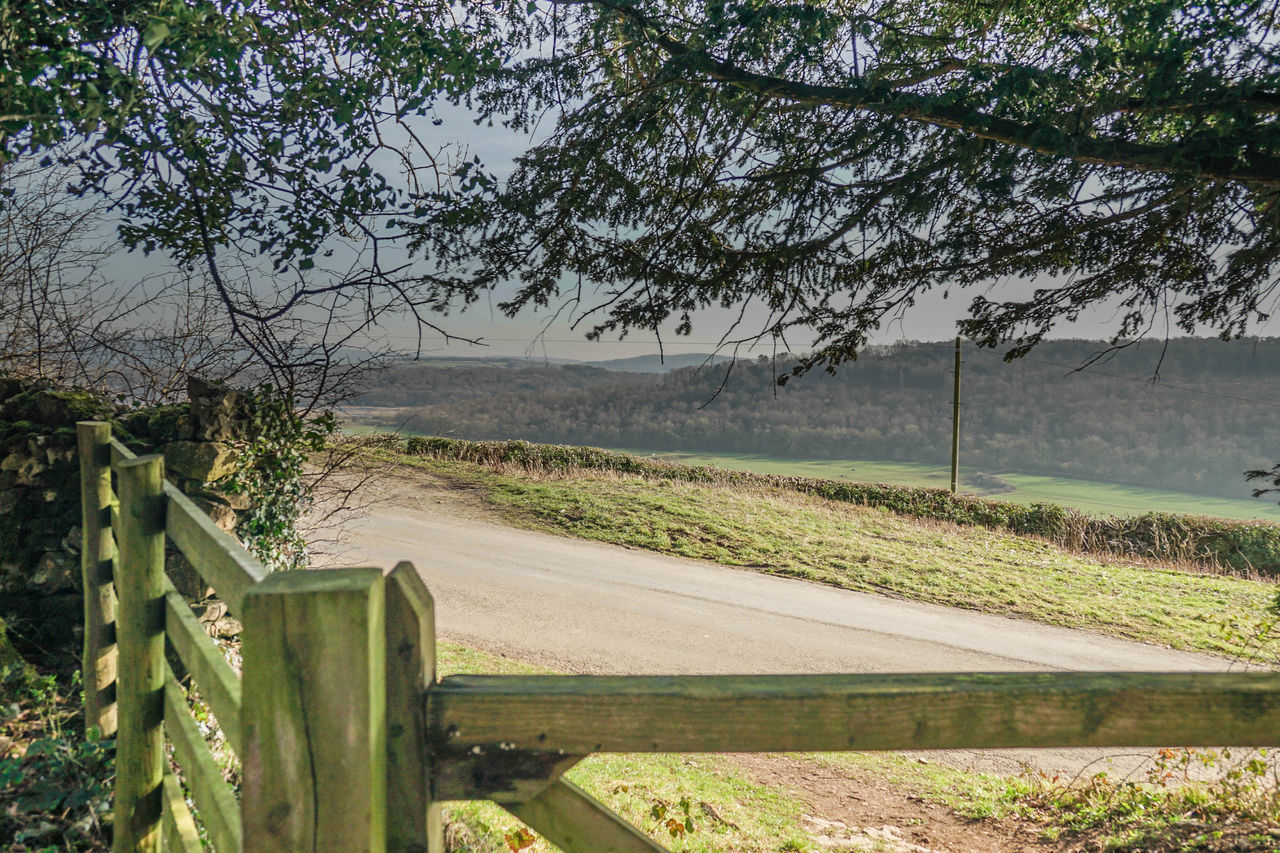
(269, 472)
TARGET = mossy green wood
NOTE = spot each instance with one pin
(314, 718)
(97, 551)
(214, 801)
(414, 822)
(120, 453)
(575, 822)
(218, 683)
(221, 560)
(216, 555)
(140, 637)
(178, 827)
(472, 717)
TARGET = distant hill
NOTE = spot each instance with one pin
(511, 361)
(449, 381)
(659, 364)
(1214, 412)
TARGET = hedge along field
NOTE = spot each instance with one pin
(1238, 547)
(1090, 496)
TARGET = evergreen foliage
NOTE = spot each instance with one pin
(828, 163)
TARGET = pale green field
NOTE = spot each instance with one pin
(1087, 495)
(1090, 496)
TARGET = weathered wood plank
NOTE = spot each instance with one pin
(178, 826)
(140, 637)
(97, 550)
(314, 721)
(216, 555)
(120, 453)
(414, 822)
(503, 775)
(214, 801)
(574, 821)
(217, 682)
(582, 714)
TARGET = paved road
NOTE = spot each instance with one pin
(591, 608)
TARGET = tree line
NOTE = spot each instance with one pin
(1191, 416)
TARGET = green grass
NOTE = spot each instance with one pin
(873, 550)
(646, 790)
(1086, 495)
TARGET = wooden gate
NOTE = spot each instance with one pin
(348, 742)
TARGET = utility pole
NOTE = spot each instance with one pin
(955, 425)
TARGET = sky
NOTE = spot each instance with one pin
(542, 335)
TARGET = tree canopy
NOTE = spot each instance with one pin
(267, 144)
(827, 162)
(831, 162)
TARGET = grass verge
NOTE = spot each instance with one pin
(1167, 809)
(1090, 496)
(869, 549)
(1238, 547)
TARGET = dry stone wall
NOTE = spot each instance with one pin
(40, 595)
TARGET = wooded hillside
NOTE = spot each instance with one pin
(1210, 413)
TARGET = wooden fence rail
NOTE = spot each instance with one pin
(131, 610)
(348, 742)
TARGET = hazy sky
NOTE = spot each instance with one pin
(539, 335)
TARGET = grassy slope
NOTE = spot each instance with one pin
(1089, 496)
(876, 551)
(1086, 495)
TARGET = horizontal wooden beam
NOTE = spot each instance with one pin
(216, 555)
(178, 829)
(484, 716)
(217, 682)
(215, 804)
(574, 821)
(506, 776)
(120, 453)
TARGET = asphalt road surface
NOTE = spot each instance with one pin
(591, 608)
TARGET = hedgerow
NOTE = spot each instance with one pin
(1251, 547)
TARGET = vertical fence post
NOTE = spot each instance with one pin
(97, 549)
(314, 713)
(414, 823)
(140, 638)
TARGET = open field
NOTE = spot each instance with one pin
(1091, 496)
(1087, 495)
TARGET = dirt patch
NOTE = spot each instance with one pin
(413, 488)
(853, 811)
